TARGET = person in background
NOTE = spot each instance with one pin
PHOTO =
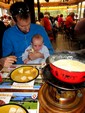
(56, 21)
(70, 20)
(60, 22)
(41, 18)
(40, 21)
(47, 23)
(79, 33)
(2, 30)
(6, 21)
(57, 17)
(37, 46)
(79, 30)
(70, 24)
(7, 61)
(18, 37)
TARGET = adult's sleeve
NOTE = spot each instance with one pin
(7, 47)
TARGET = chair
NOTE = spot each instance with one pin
(69, 34)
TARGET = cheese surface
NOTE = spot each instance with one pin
(70, 65)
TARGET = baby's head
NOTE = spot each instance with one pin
(37, 42)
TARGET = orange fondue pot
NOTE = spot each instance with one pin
(72, 77)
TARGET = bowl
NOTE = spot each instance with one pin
(12, 108)
(24, 74)
(68, 66)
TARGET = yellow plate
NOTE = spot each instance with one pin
(24, 74)
(12, 108)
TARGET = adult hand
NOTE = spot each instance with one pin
(35, 55)
(7, 61)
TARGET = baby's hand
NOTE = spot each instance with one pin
(30, 50)
(26, 60)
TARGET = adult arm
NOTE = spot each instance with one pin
(7, 61)
(7, 47)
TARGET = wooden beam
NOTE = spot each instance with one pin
(51, 4)
(47, 4)
(54, 4)
(4, 5)
(71, 2)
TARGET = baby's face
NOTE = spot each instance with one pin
(37, 45)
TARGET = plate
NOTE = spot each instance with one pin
(12, 108)
(24, 74)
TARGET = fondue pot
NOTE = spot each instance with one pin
(72, 77)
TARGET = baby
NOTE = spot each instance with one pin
(37, 45)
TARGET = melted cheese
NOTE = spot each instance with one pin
(70, 65)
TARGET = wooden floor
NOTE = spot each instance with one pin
(62, 43)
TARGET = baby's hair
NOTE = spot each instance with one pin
(37, 36)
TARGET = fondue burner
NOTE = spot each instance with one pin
(59, 97)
